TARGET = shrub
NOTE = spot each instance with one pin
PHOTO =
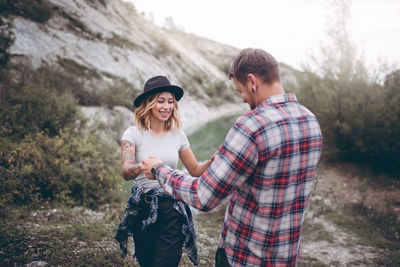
(220, 90)
(33, 107)
(66, 168)
(36, 10)
(47, 153)
(121, 93)
(225, 66)
(6, 40)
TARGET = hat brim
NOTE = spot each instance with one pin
(173, 89)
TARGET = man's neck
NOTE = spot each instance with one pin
(265, 91)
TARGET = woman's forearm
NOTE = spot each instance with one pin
(200, 169)
(131, 171)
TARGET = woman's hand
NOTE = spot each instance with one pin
(213, 156)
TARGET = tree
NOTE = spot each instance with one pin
(355, 111)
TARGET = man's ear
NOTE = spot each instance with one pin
(253, 80)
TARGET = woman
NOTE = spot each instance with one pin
(156, 220)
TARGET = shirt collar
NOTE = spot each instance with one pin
(275, 99)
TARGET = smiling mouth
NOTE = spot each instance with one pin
(164, 114)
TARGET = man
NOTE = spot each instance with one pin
(266, 166)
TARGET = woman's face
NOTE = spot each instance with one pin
(163, 107)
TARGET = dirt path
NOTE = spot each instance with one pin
(338, 229)
(339, 249)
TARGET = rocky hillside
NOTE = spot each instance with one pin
(108, 49)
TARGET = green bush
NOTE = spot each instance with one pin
(66, 168)
(6, 40)
(360, 120)
(47, 151)
(32, 107)
(121, 93)
(219, 92)
(36, 10)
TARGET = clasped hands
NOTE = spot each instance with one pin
(146, 165)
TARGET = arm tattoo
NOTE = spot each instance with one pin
(129, 169)
(129, 158)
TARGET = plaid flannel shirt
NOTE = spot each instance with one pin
(132, 209)
(266, 166)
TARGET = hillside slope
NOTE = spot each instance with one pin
(106, 42)
(108, 50)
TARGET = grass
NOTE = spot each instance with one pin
(209, 138)
(120, 41)
(62, 236)
(311, 261)
(356, 220)
(316, 231)
(372, 229)
(81, 237)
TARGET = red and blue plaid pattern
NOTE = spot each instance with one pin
(266, 166)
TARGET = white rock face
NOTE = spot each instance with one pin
(116, 42)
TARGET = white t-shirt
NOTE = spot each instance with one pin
(166, 148)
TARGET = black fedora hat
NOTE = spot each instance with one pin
(158, 84)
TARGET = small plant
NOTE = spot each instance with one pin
(121, 93)
(93, 2)
(77, 26)
(120, 41)
(36, 10)
(220, 92)
(6, 40)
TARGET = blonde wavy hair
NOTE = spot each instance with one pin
(142, 114)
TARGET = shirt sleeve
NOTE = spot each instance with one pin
(184, 142)
(130, 135)
(235, 161)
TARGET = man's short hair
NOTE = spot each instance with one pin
(257, 62)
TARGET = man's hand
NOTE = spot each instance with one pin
(147, 164)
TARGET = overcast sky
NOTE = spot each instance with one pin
(289, 29)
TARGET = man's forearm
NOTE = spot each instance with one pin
(189, 190)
